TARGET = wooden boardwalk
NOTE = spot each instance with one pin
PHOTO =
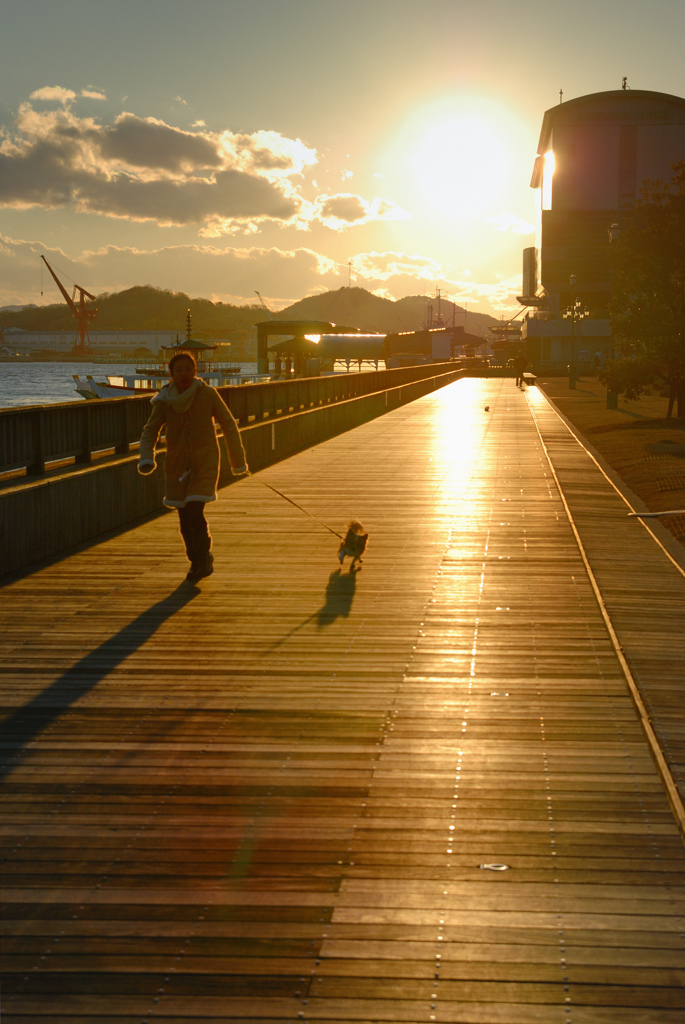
(286, 794)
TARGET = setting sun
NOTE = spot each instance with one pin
(455, 154)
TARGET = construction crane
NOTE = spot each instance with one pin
(81, 312)
(264, 305)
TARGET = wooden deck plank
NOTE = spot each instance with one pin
(268, 798)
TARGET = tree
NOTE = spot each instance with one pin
(648, 294)
(631, 377)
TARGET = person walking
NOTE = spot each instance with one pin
(520, 364)
(187, 408)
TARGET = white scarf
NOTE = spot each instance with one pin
(180, 401)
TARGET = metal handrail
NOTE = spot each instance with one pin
(34, 437)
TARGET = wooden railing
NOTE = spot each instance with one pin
(35, 437)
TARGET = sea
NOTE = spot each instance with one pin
(37, 383)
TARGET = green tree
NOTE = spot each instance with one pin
(648, 295)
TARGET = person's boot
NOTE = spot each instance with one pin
(207, 564)
(202, 563)
(204, 566)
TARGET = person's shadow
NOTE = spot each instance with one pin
(28, 721)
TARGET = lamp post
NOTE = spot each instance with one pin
(575, 311)
(614, 235)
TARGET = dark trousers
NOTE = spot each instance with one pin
(194, 530)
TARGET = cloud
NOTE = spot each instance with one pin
(53, 92)
(500, 295)
(61, 95)
(144, 169)
(268, 153)
(382, 266)
(147, 142)
(510, 222)
(399, 273)
(147, 170)
(344, 209)
(341, 208)
(231, 274)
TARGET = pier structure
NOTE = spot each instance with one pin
(70, 457)
(447, 787)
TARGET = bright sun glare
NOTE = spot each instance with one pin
(456, 155)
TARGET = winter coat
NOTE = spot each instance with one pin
(191, 468)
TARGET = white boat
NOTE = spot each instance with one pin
(154, 376)
(152, 379)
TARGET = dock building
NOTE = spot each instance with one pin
(593, 156)
(17, 341)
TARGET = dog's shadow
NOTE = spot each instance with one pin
(338, 598)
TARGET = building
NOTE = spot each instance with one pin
(593, 156)
(23, 342)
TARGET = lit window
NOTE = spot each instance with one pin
(547, 176)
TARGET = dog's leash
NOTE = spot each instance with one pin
(285, 496)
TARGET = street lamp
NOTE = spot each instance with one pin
(575, 311)
(614, 235)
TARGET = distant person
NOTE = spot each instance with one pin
(187, 407)
(520, 364)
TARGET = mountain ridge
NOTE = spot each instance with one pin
(143, 307)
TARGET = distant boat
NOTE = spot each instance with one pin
(153, 377)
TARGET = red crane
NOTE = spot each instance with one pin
(81, 312)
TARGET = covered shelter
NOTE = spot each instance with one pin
(199, 349)
(358, 348)
(352, 346)
(189, 344)
(293, 354)
(294, 333)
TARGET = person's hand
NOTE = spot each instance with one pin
(146, 466)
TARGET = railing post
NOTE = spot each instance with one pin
(123, 447)
(244, 401)
(85, 455)
(38, 425)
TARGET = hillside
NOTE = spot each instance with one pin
(147, 308)
(141, 308)
(355, 307)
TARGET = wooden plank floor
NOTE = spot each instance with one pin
(647, 604)
(278, 796)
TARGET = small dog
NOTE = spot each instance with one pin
(354, 543)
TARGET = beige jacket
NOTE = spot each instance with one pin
(192, 456)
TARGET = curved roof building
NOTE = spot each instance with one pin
(593, 156)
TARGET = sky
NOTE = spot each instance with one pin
(288, 147)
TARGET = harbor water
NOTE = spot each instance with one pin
(37, 383)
